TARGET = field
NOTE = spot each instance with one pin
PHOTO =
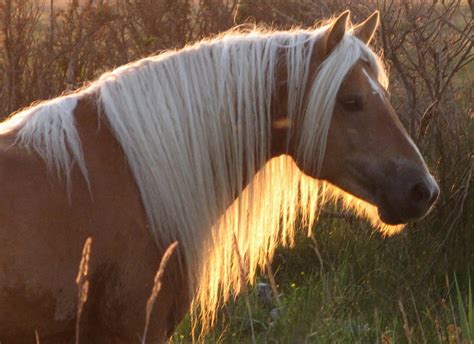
(354, 287)
(346, 283)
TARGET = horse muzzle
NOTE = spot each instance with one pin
(407, 196)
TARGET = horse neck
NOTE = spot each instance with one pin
(194, 153)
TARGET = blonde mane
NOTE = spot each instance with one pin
(188, 122)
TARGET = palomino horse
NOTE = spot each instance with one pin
(220, 146)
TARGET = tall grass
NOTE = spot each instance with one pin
(82, 282)
(369, 290)
(466, 312)
(157, 282)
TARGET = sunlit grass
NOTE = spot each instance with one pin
(369, 290)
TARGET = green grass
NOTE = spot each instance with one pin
(466, 312)
(369, 290)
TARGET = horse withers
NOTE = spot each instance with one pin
(220, 146)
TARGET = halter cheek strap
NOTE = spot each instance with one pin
(282, 123)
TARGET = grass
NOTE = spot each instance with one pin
(369, 290)
(466, 312)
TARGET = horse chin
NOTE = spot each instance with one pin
(389, 217)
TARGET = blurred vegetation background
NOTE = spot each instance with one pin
(345, 283)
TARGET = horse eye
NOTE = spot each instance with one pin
(352, 104)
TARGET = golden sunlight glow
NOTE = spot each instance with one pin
(261, 219)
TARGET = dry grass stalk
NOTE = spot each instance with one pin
(315, 247)
(82, 282)
(453, 332)
(243, 285)
(37, 339)
(157, 286)
(406, 326)
(418, 318)
(273, 285)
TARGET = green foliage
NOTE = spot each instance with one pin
(466, 312)
(369, 290)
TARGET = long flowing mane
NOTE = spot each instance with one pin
(193, 124)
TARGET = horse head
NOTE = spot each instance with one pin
(364, 150)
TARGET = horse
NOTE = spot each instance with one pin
(223, 146)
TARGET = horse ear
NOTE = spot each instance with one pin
(336, 31)
(365, 31)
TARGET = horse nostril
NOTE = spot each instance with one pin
(420, 193)
(424, 193)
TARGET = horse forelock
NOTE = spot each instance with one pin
(188, 122)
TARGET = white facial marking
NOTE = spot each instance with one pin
(376, 89)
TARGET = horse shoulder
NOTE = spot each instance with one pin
(34, 225)
(130, 254)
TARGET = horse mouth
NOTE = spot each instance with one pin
(392, 207)
(390, 217)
